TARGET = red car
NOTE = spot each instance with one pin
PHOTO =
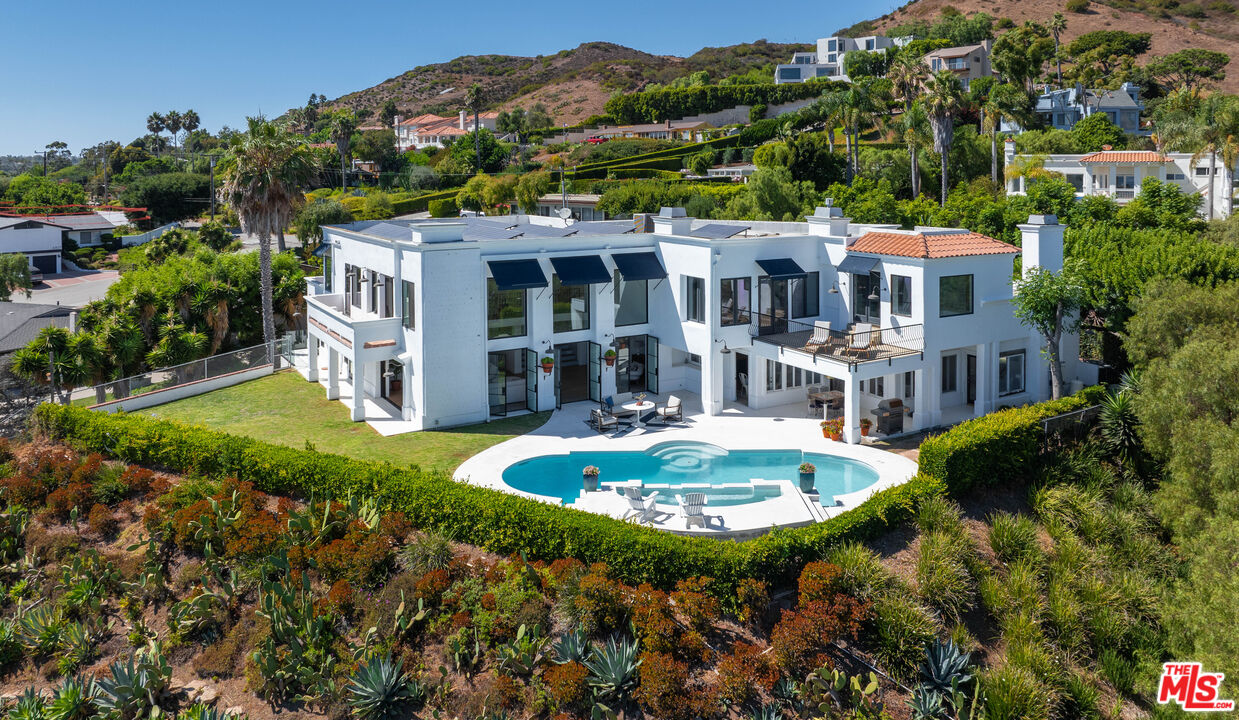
(596, 140)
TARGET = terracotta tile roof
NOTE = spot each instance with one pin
(930, 245)
(447, 127)
(425, 119)
(1124, 156)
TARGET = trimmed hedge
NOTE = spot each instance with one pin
(672, 103)
(443, 208)
(996, 447)
(497, 521)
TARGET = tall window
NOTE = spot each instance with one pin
(954, 295)
(505, 312)
(694, 299)
(632, 304)
(867, 297)
(901, 295)
(734, 297)
(406, 304)
(1011, 372)
(571, 306)
(950, 373)
(909, 384)
(803, 290)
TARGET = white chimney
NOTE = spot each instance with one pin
(464, 114)
(396, 121)
(828, 221)
(672, 221)
(1041, 239)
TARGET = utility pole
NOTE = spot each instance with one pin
(212, 161)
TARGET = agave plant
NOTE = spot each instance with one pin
(73, 700)
(135, 686)
(30, 706)
(40, 630)
(77, 643)
(926, 705)
(945, 664)
(613, 668)
(767, 712)
(571, 647)
(379, 689)
(202, 711)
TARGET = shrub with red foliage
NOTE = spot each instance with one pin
(507, 692)
(258, 536)
(61, 501)
(819, 582)
(25, 491)
(566, 686)
(752, 601)
(53, 465)
(137, 479)
(461, 619)
(395, 526)
(155, 520)
(340, 597)
(745, 671)
(431, 586)
(653, 622)
(600, 601)
(801, 638)
(663, 689)
(563, 567)
(88, 471)
(694, 600)
(102, 520)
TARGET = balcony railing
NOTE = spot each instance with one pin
(853, 347)
(333, 316)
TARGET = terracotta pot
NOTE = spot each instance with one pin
(864, 431)
(825, 433)
(835, 436)
(610, 361)
(806, 482)
(548, 367)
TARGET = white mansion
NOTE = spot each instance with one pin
(448, 322)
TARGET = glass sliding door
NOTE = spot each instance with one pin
(508, 381)
(772, 304)
(630, 364)
(496, 387)
(865, 309)
(595, 372)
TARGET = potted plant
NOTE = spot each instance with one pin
(807, 470)
(865, 424)
(832, 428)
(609, 356)
(589, 478)
(548, 364)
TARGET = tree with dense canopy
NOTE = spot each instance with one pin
(1020, 54)
(14, 275)
(1190, 67)
(263, 175)
(1048, 302)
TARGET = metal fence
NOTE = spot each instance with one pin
(186, 373)
(852, 347)
(1074, 423)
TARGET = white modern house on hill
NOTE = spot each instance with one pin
(827, 62)
(1119, 173)
(443, 323)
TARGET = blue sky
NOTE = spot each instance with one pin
(83, 72)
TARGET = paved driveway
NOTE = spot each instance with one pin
(71, 288)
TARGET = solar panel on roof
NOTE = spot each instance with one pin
(716, 231)
(546, 231)
(388, 231)
(485, 232)
(503, 224)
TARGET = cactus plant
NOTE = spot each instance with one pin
(524, 653)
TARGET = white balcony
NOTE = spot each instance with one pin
(352, 330)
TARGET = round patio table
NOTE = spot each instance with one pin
(641, 408)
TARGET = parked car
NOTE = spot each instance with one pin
(36, 277)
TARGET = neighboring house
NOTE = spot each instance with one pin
(430, 130)
(1062, 109)
(584, 206)
(667, 130)
(444, 323)
(87, 229)
(39, 239)
(738, 172)
(968, 62)
(1118, 174)
(827, 62)
(21, 322)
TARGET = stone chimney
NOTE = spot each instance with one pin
(828, 221)
(672, 221)
(1041, 239)
(464, 120)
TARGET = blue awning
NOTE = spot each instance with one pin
(780, 267)
(580, 270)
(517, 274)
(321, 250)
(639, 266)
(858, 264)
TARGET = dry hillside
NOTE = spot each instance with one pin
(572, 84)
(1218, 30)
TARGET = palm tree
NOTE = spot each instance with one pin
(1005, 102)
(1058, 24)
(343, 124)
(176, 347)
(264, 170)
(473, 101)
(92, 363)
(298, 120)
(173, 121)
(212, 303)
(44, 360)
(155, 123)
(913, 127)
(1228, 147)
(943, 99)
(858, 107)
(123, 342)
(1201, 134)
(907, 75)
(190, 121)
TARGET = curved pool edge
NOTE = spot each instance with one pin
(792, 509)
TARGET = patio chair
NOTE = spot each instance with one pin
(861, 333)
(673, 410)
(692, 509)
(615, 411)
(821, 333)
(601, 422)
(640, 508)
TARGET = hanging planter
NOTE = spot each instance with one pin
(548, 364)
(609, 358)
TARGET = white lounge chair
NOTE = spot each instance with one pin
(821, 333)
(673, 410)
(692, 509)
(640, 508)
(601, 422)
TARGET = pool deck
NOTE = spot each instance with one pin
(737, 428)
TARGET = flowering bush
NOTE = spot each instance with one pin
(591, 470)
(801, 637)
(599, 602)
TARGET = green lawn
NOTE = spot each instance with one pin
(284, 409)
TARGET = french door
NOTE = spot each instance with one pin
(651, 364)
(531, 379)
(595, 372)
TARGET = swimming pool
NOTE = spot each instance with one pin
(724, 475)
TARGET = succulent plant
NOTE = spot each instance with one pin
(30, 706)
(136, 685)
(944, 662)
(571, 647)
(73, 700)
(767, 712)
(524, 653)
(202, 711)
(40, 630)
(379, 689)
(926, 705)
(613, 668)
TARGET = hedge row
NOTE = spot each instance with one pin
(422, 202)
(997, 447)
(673, 152)
(674, 103)
(497, 521)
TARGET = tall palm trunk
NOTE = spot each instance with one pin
(830, 138)
(477, 139)
(945, 183)
(916, 172)
(847, 136)
(268, 305)
(1212, 180)
(1058, 62)
(281, 244)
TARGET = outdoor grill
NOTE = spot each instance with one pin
(890, 416)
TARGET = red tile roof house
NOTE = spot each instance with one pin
(430, 130)
(1119, 173)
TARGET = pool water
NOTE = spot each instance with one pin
(727, 473)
